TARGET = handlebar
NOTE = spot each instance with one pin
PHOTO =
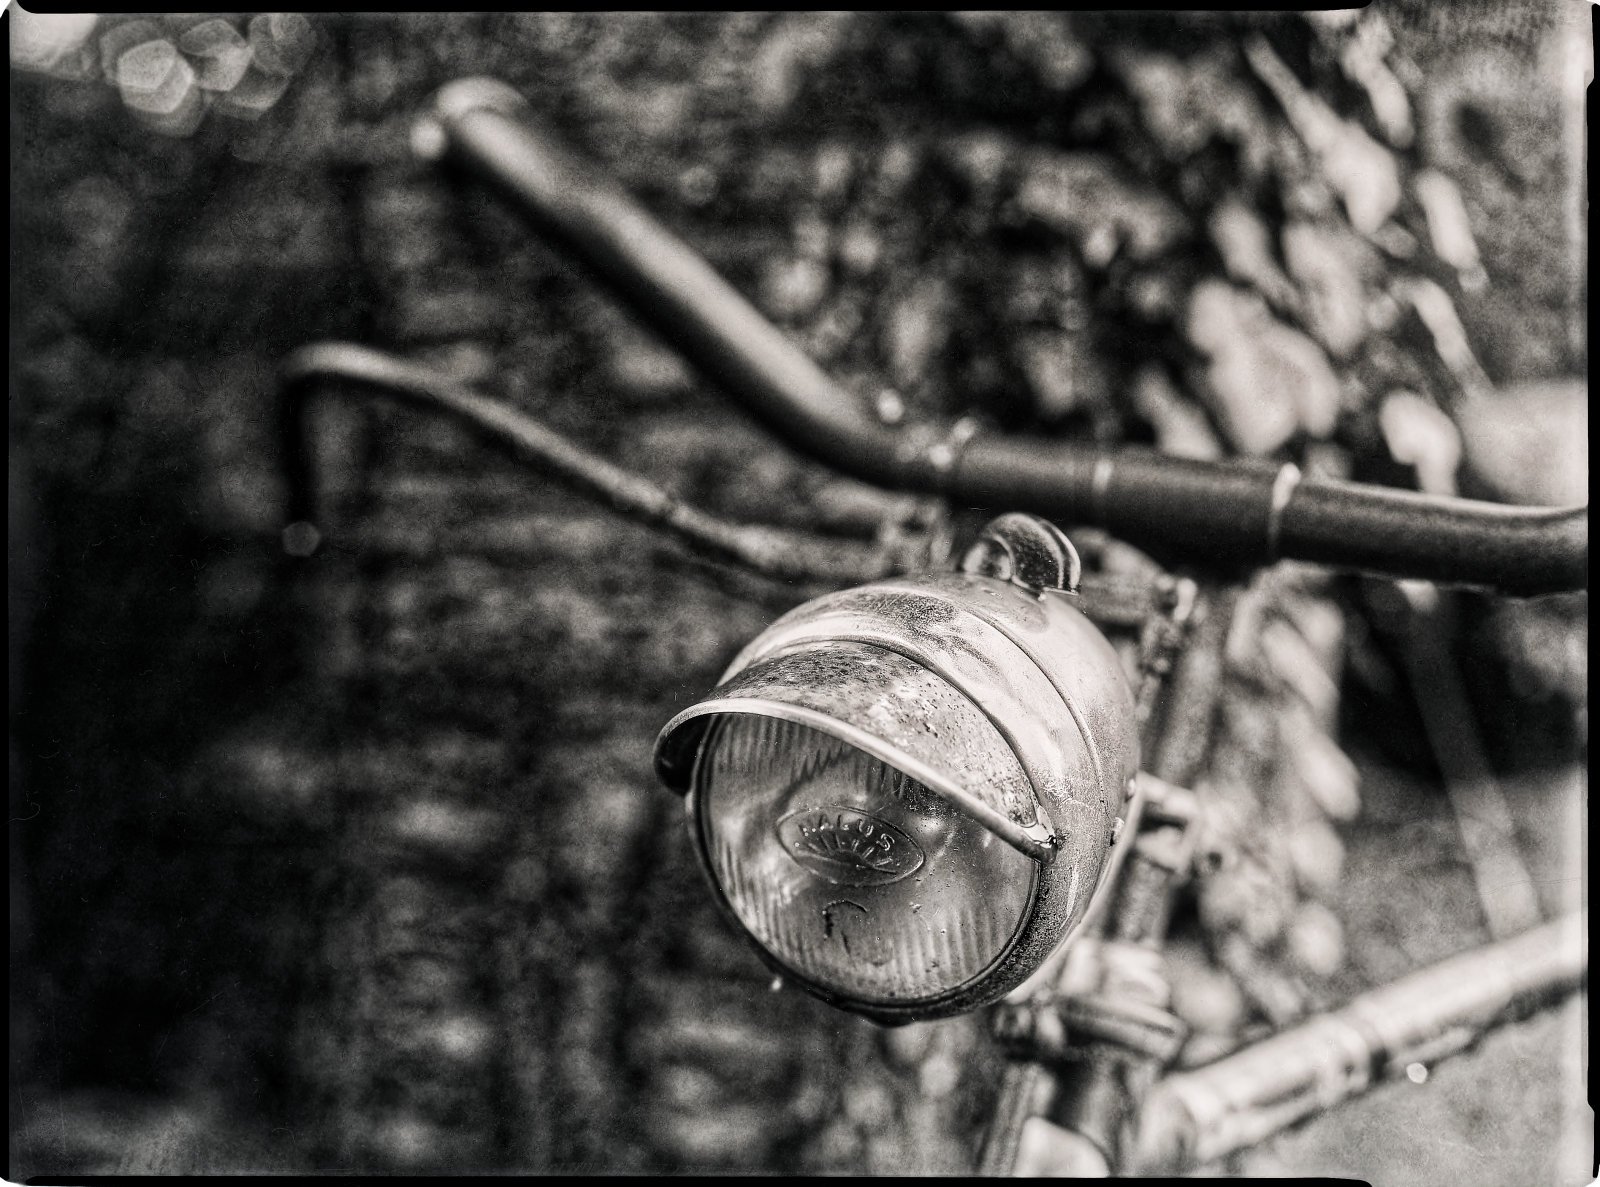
(1217, 512)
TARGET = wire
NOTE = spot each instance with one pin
(772, 552)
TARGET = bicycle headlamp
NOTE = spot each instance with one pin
(905, 792)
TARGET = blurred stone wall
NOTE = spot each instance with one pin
(360, 863)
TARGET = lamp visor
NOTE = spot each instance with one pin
(888, 705)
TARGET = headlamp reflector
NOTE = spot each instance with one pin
(852, 875)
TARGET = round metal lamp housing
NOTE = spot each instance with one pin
(905, 792)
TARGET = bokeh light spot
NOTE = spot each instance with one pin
(254, 96)
(301, 538)
(281, 42)
(42, 40)
(154, 77)
(222, 54)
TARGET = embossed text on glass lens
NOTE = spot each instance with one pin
(848, 846)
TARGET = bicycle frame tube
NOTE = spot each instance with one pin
(1196, 1117)
(1229, 512)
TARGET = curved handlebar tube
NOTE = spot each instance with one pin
(1232, 512)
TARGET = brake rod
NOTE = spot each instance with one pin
(772, 552)
(328, 368)
(1220, 512)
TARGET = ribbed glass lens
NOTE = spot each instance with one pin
(855, 876)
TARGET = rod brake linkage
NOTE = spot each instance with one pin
(1221, 513)
(777, 553)
(772, 552)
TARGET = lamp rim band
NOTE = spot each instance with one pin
(987, 636)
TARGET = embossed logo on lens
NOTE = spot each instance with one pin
(848, 846)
